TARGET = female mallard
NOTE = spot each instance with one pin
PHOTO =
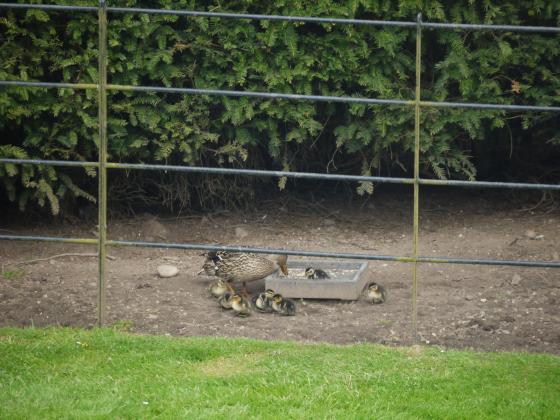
(209, 266)
(244, 268)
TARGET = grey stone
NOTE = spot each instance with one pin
(167, 270)
(241, 233)
(516, 279)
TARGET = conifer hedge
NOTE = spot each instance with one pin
(302, 58)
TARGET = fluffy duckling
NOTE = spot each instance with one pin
(218, 288)
(240, 306)
(376, 293)
(276, 301)
(316, 273)
(225, 300)
(269, 293)
(283, 306)
(261, 302)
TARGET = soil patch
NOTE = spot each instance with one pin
(480, 307)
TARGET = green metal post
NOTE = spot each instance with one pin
(102, 195)
(416, 178)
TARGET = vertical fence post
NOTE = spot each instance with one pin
(102, 173)
(416, 177)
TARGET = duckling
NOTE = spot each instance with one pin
(283, 306)
(276, 301)
(269, 293)
(261, 302)
(376, 293)
(316, 273)
(288, 307)
(225, 300)
(218, 288)
(240, 306)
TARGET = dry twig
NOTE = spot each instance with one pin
(71, 254)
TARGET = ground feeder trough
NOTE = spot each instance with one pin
(347, 280)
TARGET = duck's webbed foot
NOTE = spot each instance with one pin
(245, 292)
(230, 288)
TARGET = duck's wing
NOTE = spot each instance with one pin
(245, 267)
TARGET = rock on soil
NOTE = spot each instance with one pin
(516, 279)
(241, 233)
(152, 230)
(167, 270)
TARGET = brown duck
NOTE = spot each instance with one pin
(244, 268)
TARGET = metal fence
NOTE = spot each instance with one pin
(103, 165)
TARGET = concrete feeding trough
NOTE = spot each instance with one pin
(347, 280)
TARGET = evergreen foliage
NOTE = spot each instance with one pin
(301, 58)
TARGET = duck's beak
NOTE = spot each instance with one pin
(200, 272)
(284, 268)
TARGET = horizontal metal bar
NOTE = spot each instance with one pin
(345, 255)
(50, 162)
(300, 175)
(488, 184)
(333, 177)
(322, 254)
(251, 249)
(503, 107)
(268, 95)
(290, 96)
(259, 172)
(82, 241)
(49, 7)
(346, 99)
(310, 19)
(48, 84)
(467, 261)
(484, 27)
(509, 28)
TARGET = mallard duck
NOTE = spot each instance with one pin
(376, 293)
(261, 302)
(240, 306)
(213, 255)
(225, 300)
(209, 267)
(244, 268)
(218, 288)
(283, 306)
(316, 273)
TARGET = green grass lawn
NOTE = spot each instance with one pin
(61, 372)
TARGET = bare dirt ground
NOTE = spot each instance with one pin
(460, 306)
